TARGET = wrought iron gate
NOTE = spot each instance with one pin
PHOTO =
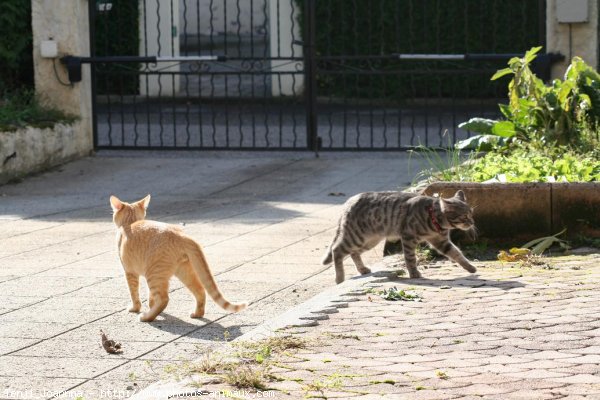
(299, 74)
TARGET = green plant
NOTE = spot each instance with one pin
(442, 375)
(448, 164)
(581, 240)
(394, 294)
(386, 381)
(16, 60)
(386, 27)
(535, 165)
(117, 34)
(550, 115)
(21, 108)
(540, 245)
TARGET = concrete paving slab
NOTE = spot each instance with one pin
(10, 345)
(33, 330)
(49, 367)
(253, 213)
(35, 388)
(41, 314)
(66, 347)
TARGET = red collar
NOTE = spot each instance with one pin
(434, 220)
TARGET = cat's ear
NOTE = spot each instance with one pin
(115, 203)
(144, 202)
(460, 195)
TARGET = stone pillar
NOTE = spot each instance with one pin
(284, 28)
(572, 39)
(65, 22)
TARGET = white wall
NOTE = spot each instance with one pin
(168, 38)
(224, 16)
(577, 39)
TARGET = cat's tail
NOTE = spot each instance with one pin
(328, 258)
(206, 277)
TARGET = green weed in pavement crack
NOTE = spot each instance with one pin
(395, 294)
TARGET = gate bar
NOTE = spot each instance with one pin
(440, 57)
(542, 63)
(73, 63)
(478, 57)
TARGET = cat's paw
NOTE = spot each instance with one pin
(414, 274)
(135, 308)
(470, 268)
(197, 314)
(364, 271)
(146, 317)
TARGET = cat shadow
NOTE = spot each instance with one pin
(472, 281)
(210, 330)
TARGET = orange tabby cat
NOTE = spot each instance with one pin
(158, 251)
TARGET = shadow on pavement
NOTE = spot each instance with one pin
(212, 330)
(471, 281)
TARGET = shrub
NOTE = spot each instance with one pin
(16, 59)
(21, 108)
(385, 27)
(554, 115)
(117, 34)
(531, 165)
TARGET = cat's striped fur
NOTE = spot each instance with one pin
(371, 217)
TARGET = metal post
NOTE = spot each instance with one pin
(310, 76)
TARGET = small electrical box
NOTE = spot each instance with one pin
(572, 11)
(49, 49)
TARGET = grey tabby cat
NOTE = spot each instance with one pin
(370, 217)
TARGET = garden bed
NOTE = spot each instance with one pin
(29, 150)
(524, 211)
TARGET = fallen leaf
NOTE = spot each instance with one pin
(109, 345)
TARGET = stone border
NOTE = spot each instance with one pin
(525, 211)
(30, 150)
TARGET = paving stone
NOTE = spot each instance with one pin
(33, 330)
(580, 378)
(39, 313)
(9, 345)
(79, 349)
(550, 355)
(74, 368)
(536, 374)
(36, 388)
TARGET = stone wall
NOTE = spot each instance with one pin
(29, 150)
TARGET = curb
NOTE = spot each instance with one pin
(315, 309)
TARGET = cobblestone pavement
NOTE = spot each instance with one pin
(508, 332)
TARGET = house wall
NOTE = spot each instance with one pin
(195, 16)
(575, 39)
